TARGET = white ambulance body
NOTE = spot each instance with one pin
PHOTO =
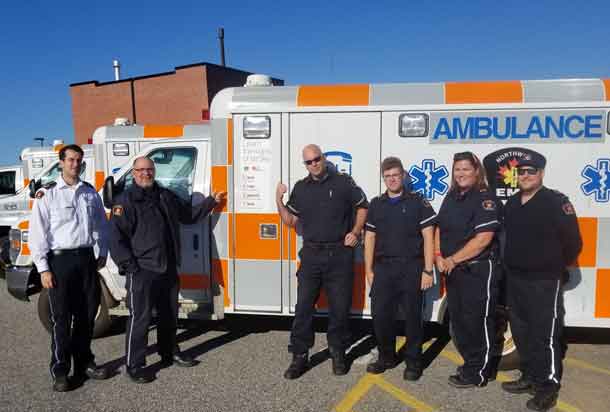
(11, 180)
(247, 262)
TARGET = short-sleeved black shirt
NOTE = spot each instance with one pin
(464, 215)
(398, 223)
(542, 235)
(325, 207)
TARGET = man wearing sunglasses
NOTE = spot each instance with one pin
(323, 204)
(542, 239)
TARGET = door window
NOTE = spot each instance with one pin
(7, 182)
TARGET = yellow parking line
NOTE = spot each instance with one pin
(354, 395)
(401, 395)
(502, 377)
(585, 365)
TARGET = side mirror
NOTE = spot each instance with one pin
(108, 193)
(34, 186)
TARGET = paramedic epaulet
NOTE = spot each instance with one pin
(49, 185)
(40, 192)
(347, 177)
(89, 185)
(420, 197)
(564, 202)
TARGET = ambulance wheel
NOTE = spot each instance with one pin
(103, 321)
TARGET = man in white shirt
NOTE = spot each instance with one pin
(68, 220)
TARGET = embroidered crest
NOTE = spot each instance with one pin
(489, 205)
(117, 210)
(39, 194)
(568, 209)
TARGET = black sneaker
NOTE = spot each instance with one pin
(140, 375)
(412, 372)
(61, 384)
(179, 359)
(458, 381)
(543, 400)
(339, 362)
(521, 385)
(382, 364)
(298, 366)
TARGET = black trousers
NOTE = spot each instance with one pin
(536, 315)
(472, 293)
(147, 290)
(73, 303)
(398, 283)
(333, 270)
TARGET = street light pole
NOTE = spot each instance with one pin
(40, 139)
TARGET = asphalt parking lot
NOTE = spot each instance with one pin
(241, 365)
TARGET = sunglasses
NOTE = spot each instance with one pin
(311, 161)
(463, 156)
(522, 171)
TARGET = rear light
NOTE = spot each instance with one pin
(14, 237)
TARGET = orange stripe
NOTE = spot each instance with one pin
(26, 182)
(289, 249)
(99, 179)
(607, 87)
(588, 232)
(163, 131)
(24, 225)
(194, 281)
(230, 142)
(219, 184)
(25, 249)
(220, 271)
(484, 92)
(31, 204)
(334, 95)
(248, 242)
(602, 294)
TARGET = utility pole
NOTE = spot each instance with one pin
(221, 39)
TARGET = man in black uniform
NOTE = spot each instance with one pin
(145, 244)
(542, 239)
(398, 261)
(323, 203)
(68, 220)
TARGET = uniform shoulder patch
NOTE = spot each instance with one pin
(488, 205)
(39, 194)
(568, 209)
(117, 210)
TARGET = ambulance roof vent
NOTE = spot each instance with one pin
(58, 142)
(258, 80)
(122, 121)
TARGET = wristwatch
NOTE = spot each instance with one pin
(428, 272)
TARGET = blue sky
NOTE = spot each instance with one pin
(45, 46)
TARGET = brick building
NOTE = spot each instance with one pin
(178, 97)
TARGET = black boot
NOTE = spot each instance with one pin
(339, 362)
(384, 362)
(544, 399)
(298, 366)
(61, 384)
(521, 385)
(413, 371)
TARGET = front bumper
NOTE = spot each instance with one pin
(22, 281)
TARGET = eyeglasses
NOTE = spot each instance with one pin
(522, 171)
(144, 169)
(394, 176)
(463, 156)
(311, 161)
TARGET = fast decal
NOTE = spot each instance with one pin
(597, 182)
(429, 179)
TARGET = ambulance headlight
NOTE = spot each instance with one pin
(37, 163)
(10, 206)
(120, 149)
(25, 235)
(413, 125)
(257, 127)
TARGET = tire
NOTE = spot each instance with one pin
(103, 320)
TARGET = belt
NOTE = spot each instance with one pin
(392, 259)
(322, 245)
(80, 251)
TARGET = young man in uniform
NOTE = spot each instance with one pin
(542, 239)
(145, 244)
(68, 220)
(323, 203)
(398, 261)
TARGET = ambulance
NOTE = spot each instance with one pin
(242, 260)
(11, 180)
